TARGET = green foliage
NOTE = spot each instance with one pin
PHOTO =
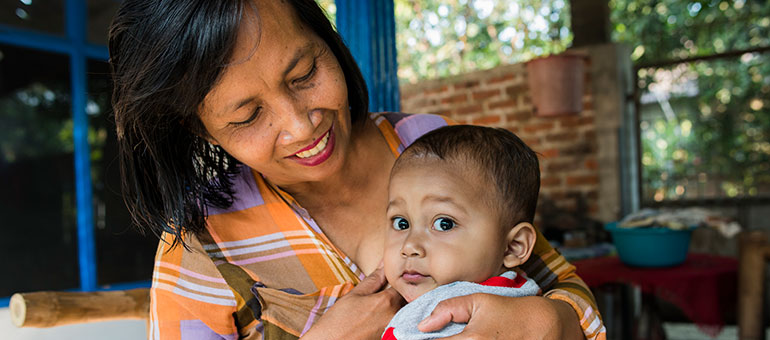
(705, 125)
(438, 38)
(330, 7)
(675, 29)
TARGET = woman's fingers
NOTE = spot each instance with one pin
(394, 298)
(457, 309)
(361, 314)
(371, 284)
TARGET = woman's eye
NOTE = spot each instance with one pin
(307, 75)
(251, 118)
(400, 223)
(443, 224)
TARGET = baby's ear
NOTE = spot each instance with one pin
(520, 240)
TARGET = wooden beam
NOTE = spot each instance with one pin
(753, 258)
(590, 22)
(51, 309)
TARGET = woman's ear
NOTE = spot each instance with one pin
(210, 139)
(520, 240)
(197, 128)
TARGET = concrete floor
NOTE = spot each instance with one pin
(688, 331)
(113, 330)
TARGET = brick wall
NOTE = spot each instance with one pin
(500, 97)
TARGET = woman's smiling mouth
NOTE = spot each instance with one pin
(320, 145)
(317, 152)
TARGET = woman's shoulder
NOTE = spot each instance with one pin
(408, 127)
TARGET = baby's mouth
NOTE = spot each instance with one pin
(413, 276)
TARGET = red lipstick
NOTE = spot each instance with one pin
(321, 156)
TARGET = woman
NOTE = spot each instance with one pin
(245, 137)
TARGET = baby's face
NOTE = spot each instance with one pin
(442, 228)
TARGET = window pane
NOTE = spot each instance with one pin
(705, 129)
(37, 181)
(45, 16)
(100, 13)
(676, 29)
(123, 255)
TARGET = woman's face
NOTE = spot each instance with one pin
(281, 105)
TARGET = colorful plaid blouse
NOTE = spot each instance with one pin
(264, 269)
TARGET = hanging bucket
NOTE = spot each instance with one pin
(556, 84)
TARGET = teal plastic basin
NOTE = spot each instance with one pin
(650, 247)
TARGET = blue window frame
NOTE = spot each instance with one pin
(75, 46)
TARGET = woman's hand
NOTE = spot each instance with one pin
(362, 313)
(498, 317)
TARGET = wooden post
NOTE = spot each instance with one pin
(50, 309)
(754, 254)
(590, 22)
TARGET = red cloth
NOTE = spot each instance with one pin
(389, 334)
(702, 287)
(502, 281)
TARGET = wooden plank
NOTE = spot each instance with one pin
(754, 254)
(51, 309)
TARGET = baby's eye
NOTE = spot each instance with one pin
(443, 224)
(400, 223)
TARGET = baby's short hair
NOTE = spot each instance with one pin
(497, 154)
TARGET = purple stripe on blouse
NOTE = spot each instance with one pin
(412, 127)
(197, 330)
(246, 194)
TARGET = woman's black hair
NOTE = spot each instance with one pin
(166, 55)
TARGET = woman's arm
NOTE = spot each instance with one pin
(568, 310)
(531, 317)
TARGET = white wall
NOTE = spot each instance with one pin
(113, 330)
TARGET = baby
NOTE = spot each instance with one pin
(461, 203)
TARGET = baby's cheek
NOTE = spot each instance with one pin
(391, 268)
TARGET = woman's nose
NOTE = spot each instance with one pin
(297, 123)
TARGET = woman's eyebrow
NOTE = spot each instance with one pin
(298, 55)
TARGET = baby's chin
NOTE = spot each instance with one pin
(411, 293)
(410, 297)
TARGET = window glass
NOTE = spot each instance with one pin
(100, 13)
(675, 29)
(704, 125)
(46, 16)
(123, 255)
(705, 128)
(37, 181)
